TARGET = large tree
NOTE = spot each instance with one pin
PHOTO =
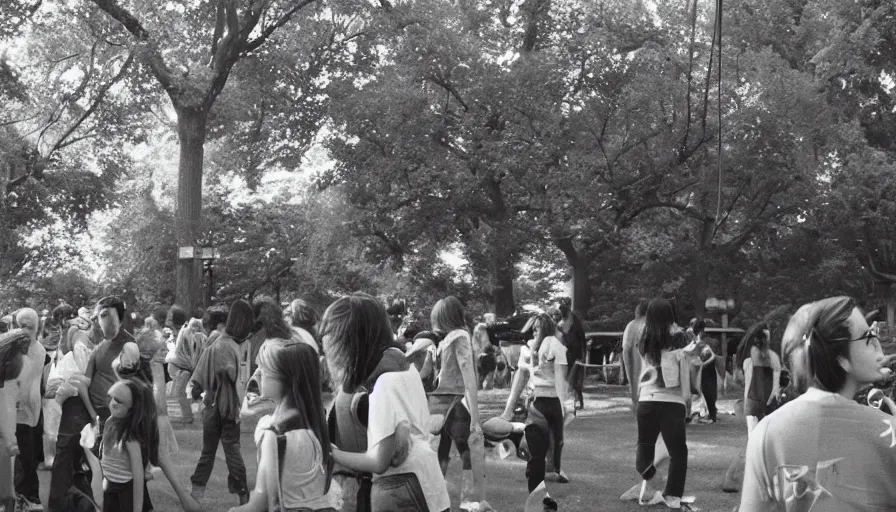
(191, 50)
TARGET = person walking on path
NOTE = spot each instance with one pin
(664, 389)
(572, 335)
(216, 374)
(188, 348)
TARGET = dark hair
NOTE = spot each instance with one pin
(302, 406)
(140, 424)
(698, 326)
(178, 316)
(13, 350)
(61, 313)
(448, 315)
(360, 331)
(160, 313)
(269, 316)
(656, 337)
(829, 338)
(547, 324)
(115, 302)
(214, 316)
(641, 308)
(240, 321)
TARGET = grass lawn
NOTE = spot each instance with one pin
(598, 456)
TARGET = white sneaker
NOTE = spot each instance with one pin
(673, 502)
(22, 503)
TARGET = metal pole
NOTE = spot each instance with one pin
(211, 282)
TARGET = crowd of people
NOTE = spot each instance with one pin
(89, 389)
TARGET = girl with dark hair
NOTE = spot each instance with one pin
(762, 375)
(454, 419)
(664, 389)
(130, 439)
(823, 450)
(295, 464)
(548, 365)
(358, 343)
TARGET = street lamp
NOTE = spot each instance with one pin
(208, 255)
(723, 306)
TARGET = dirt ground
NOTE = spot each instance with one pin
(598, 457)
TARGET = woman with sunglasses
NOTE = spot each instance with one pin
(823, 450)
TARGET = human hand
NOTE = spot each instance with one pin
(12, 447)
(773, 397)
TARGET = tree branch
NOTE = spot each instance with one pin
(152, 56)
(254, 44)
(450, 88)
(100, 96)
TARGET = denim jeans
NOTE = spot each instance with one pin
(216, 430)
(667, 418)
(398, 493)
(69, 465)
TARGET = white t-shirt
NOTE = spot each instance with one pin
(824, 453)
(551, 352)
(398, 397)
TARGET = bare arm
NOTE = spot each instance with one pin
(264, 496)
(520, 379)
(560, 384)
(776, 377)
(464, 356)
(631, 361)
(85, 398)
(374, 460)
(137, 471)
(748, 377)
(684, 370)
(187, 501)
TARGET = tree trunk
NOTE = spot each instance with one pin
(502, 292)
(581, 281)
(191, 134)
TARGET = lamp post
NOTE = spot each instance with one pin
(723, 306)
(208, 255)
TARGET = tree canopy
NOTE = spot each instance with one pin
(328, 147)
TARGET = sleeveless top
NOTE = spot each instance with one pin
(456, 345)
(303, 477)
(115, 461)
(551, 352)
(761, 384)
(661, 383)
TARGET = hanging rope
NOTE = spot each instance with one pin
(716, 38)
(718, 29)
